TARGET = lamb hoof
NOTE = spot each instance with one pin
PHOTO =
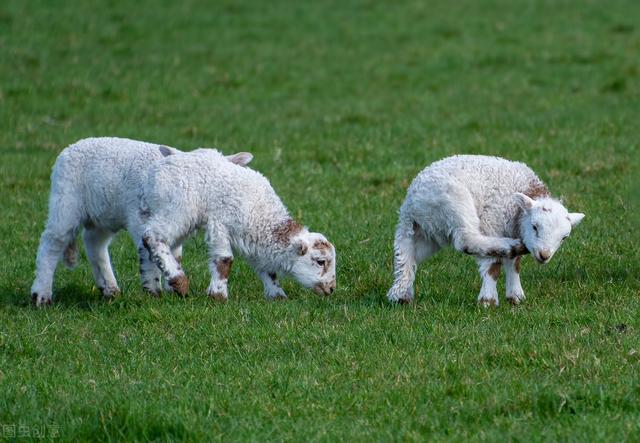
(110, 292)
(488, 302)
(279, 297)
(402, 296)
(218, 296)
(515, 299)
(180, 285)
(518, 248)
(152, 292)
(41, 300)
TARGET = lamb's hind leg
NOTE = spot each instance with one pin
(161, 255)
(53, 244)
(489, 272)
(466, 236)
(411, 247)
(96, 243)
(220, 261)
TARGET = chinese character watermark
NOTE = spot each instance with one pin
(13, 431)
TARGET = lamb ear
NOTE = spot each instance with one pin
(575, 218)
(524, 201)
(240, 158)
(300, 246)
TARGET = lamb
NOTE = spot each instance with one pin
(239, 211)
(494, 209)
(96, 183)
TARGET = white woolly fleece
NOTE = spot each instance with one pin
(97, 183)
(489, 207)
(239, 210)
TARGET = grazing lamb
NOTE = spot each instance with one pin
(238, 210)
(488, 207)
(97, 183)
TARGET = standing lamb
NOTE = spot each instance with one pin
(97, 184)
(238, 210)
(488, 207)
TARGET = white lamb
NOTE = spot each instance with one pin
(238, 210)
(488, 207)
(97, 184)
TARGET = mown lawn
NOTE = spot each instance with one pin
(342, 103)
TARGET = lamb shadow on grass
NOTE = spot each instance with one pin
(70, 296)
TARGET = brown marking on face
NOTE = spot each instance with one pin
(223, 265)
(517, 264)
(536, 190)
(180, 284)
(494, 270)
(286, 230)
(179, 259)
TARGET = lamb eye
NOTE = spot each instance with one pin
(535, 228)
(321, 262)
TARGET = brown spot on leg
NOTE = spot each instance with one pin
(223, 266)
(517, 264)
(180, 284)
(494, 270)
(489, 302)
(520, 249)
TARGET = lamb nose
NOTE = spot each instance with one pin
(544, 255)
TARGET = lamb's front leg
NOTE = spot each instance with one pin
(489, 271)
(220, 261)
(177, 254)
(272, 289)
(161, 255)
(515, 293)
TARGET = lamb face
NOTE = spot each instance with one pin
(314, 263)
(545, 224)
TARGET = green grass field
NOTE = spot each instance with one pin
(342, 103)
